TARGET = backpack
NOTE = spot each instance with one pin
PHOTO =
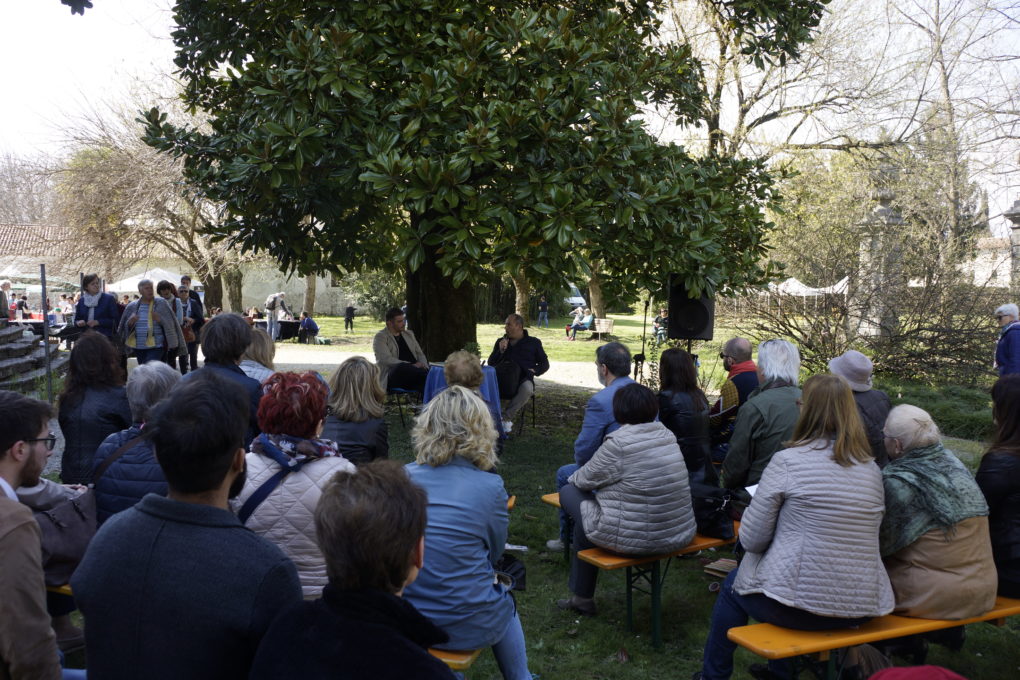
(271, 302)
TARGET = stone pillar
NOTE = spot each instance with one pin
(878, 286)
(1013, 215)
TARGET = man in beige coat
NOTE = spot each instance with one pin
(401, 362)
(28, 646)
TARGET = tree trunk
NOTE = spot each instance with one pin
(310, 288)
(441, 315)
(213, 290)
(597, 302)
(522, 293)
(233, 279)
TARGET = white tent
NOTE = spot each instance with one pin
(792, 286)
(130, 284)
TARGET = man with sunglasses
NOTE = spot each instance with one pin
(28, 645)
(1007, 351)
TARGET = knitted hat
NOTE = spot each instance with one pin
(855, 367)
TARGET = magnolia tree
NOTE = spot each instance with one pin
(437, 139)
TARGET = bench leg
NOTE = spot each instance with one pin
(656, 606)
(630, 600)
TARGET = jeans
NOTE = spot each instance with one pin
(543, 317)
(583, 576)
(272, 324)
(732, 610)
(146, 354)
(562, 475)
(511, 654)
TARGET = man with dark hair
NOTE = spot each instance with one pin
(401, 362)
(194, 317)
(308, 330)
(224, 339)
(527, 353)
(176, 587)
(612, 362)
(28, 646)
(370, 526)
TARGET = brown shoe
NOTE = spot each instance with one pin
(584, 606)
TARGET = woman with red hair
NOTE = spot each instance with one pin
(288, 466)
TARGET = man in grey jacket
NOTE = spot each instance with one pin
(401, 362)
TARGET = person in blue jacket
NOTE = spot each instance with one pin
(307, 330)
(136, 471)
(1007, 351)
(457, 589)
(612, 361)
(95, 309)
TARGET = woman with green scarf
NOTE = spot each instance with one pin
(934, 536)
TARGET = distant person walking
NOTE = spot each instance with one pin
(543, 312)
(349, 318)
(1007, 351)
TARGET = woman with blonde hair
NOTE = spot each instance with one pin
(811, 532)
(257, 360)
(465, 369)
(354, 418)
(934, 538)
(455, 448)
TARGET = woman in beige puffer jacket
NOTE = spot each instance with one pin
(643, 504)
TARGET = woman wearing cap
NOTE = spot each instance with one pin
(872, 404)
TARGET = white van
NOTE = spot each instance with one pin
(575, 298)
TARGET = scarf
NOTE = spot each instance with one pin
(91, 301)
(742, 367)
(294, 447)
(926, 488)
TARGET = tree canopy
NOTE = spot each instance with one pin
(447, 136)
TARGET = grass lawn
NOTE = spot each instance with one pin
(563, 646)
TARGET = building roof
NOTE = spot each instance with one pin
(33, 240)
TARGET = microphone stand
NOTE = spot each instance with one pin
(639, 359)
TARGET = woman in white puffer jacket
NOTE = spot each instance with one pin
(811, 532)
(291, 414)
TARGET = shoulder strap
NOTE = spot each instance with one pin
(268, 486)
(112, 458)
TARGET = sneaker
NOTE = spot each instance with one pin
(585, 606)
(508, 426)
(554, 544)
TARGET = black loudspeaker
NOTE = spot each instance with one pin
(689, 318)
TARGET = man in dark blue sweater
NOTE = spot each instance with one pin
(177, 587)
(525, 351)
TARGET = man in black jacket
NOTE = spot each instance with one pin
(527, 353)
(194, 317)
(371, 526)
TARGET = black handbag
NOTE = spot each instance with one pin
(712, 511)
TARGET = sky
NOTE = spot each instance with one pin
(56, 65)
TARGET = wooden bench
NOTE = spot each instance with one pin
(644, 568)
(61, 590)
(774, 642)
(510, 503)
(602, 327)
(457, 661)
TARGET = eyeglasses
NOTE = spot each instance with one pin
(51, 441)
(999, 317)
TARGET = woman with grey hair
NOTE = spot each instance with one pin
(455, 451)
(934, 537)
(1007, 349)
(149, 326)
(135, 471)
(767, 419)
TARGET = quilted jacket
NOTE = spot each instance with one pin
(286, 516)
(134, 474)
(643, 504)
(811, 534)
